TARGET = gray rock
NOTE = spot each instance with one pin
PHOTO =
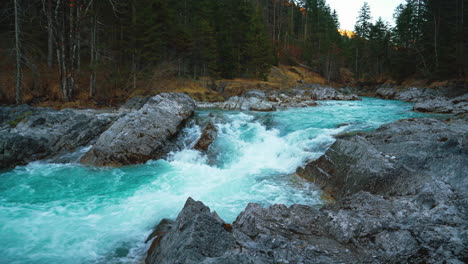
(196, 235)
(30, 133)
(412, 94)
(259, 235)
(259, 101)
(401, 198)
(255, 93)
(209, 134)
(458, 105)
(328, 93)
(250, 103)
(16, 149)
(422, 164)
(144, 134)
(429, 153)
(135, 103)
(386, 92)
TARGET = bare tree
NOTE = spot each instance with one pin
(50, 32)
(94, 52)
(18, 48)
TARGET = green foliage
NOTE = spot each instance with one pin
(364, 22)
(17, 120)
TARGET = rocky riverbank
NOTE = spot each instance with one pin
(33, 133)
(269, 101)
(443, 100)
(143, 134)
(401, 197)
(142, 129)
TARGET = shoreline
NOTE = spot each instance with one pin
(247, 101)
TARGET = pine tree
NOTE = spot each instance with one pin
(364, 22)
(257, 49)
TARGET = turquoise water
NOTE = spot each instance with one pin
(68, 213)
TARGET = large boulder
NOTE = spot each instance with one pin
(16, 149)
(274, 235)
(458, 105)
(420, 166)
(30, 133)
(248, 103)
(144, 134)
(196, 235)
(361, 228)
(402, 158)
(328, 93)
(412, 94)
(401, 198)
(267, 102)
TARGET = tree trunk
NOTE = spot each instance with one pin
(93, 60)
(50, 43)
(78, 39)
(134, 53)
(357, 63)
(19, 71)
(72, 50)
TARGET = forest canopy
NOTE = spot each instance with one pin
(75, 42)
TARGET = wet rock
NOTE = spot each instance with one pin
(421, 166)
(458, 105)
(429, 153)
(328, 93)
(31, 133)
(401, 197)
(412, 94)
(386, 92)
(267, 102)
(209, 134)
(259, 235)
(144, 134)
(397, 243)
(250, 103)
(16, 149)
(197, 235)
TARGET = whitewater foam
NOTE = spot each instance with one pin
(68, 213)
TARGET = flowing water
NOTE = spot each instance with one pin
(68, 213)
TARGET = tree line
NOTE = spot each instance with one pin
(79, 39)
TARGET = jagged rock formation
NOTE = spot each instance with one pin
(401, 193)
(32, 133)
(144, 134)
(209, 134)
(267, 102)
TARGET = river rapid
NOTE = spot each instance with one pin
(68, 213)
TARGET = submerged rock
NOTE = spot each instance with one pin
(144, 134)
(209, 134)
(32, 133)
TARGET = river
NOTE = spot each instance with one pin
(69, 213)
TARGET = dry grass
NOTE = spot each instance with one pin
(112, 90)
